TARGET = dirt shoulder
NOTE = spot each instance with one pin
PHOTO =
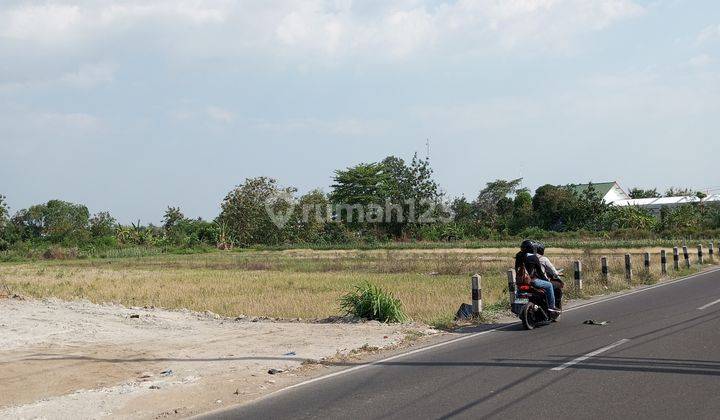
(83, 360)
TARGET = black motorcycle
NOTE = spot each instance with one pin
(531, 305)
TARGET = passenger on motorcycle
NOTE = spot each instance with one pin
(551, 272)
(527, 264)
(549, 268)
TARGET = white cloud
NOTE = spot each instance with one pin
(90, 75)
(87, 75)
(66, 21)
(700, 61)
(342, 127)
(709, 33)
(627, 99)
(77, 121)
(19, 122)
(219, 114)
(333, 28)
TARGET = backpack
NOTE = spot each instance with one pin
(521, 273)
(528, 267)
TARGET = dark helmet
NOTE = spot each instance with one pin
(540, 247)
(528, 246)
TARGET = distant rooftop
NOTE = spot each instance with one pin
(667, 201)
(602, 188)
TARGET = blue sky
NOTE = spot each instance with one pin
(131, 106)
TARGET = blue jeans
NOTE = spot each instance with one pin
(549, 291)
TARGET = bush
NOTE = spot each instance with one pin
(58, 253)
(371, 302)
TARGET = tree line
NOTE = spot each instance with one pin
(397, 200)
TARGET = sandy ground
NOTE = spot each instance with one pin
(81, 360)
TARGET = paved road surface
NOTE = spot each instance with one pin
(658, 358)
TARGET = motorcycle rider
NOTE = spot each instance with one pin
(528, 259)
(552, 273)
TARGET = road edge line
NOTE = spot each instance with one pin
(448, 342)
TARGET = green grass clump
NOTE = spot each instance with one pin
(371, 302)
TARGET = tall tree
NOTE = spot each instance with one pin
(522, 211)
(4, 212)
(551, 206)
(679, 192)
(400, 192)
(172, 217)
(257, 212)
(494, 204)
(641, 193)
(102, 224)
(56, 220)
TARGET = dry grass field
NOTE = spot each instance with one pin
(306, 283)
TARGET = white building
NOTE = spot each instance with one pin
(613, 194)
(609, 191)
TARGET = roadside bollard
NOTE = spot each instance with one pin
(511, 285)
(604, 269)
(578, 275)
(686, 256)
(628, 268)
(646, 263)
(476, 295)
(711, 253)
(700, 254)
(676, 259)
(663, 263)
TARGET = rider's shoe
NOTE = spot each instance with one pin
(554, 310)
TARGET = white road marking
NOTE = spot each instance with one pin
(591, 354)
(709, 304)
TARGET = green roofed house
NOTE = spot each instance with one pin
(612, 194)
(609, 191)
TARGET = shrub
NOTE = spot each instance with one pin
(371, 302)
(58, 253)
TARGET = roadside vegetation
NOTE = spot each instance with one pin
(309, 284)
(271, 252)
(501, 214)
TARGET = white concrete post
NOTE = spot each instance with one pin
(628, 268)
(577, 265)
(663, 263)
(646, 262)
(676, 258)
(511, 285)
(476, 295)
(604, 269)
(686, 256)
(700, 254)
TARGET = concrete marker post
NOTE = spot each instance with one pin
(711, 252)
(577, 265)
(476, 295)
(511, 286)
(663, 263)
(700, 254)
(686, 255)
(628, 268)
(604, 269)
(646, 263)
(676, 258)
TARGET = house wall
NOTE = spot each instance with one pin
(616, 193)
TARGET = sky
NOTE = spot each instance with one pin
(132, 106)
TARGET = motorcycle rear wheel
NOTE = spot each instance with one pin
(528, 316)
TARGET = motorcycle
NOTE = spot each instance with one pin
(531, 306)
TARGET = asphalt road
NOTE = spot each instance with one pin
(659, 357)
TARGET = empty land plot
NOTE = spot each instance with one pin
(305, 283)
